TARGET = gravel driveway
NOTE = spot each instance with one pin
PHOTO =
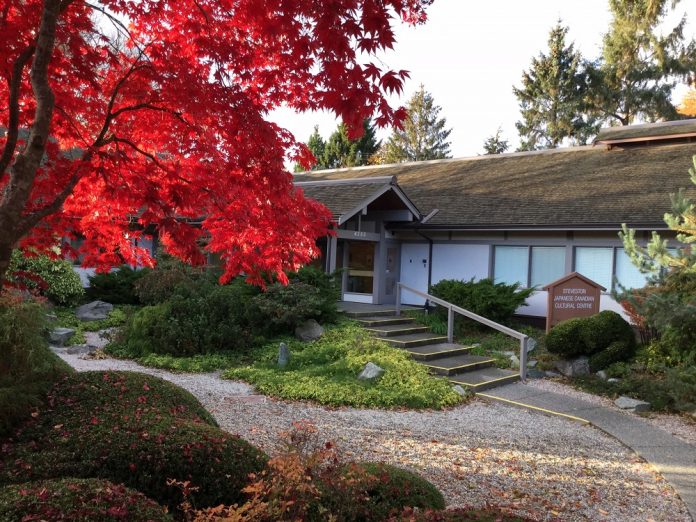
(544, 467)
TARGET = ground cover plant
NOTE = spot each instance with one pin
(86, 500)
(65, 317)
(326, 371)
(135, 430)
(27, 367)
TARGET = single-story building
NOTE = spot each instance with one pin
(529, 217)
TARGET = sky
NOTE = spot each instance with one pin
(470, 53)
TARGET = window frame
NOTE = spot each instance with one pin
(527, 283)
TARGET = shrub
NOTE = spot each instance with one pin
(117, 287)
(52, 278)
(27, 366)
(495, 301)
(206, 320)
(87, 500)
(282, 308)
(592, 336)
(159, 285)
(391, 489)
(136, 430)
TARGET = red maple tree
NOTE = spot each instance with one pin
(127, 116)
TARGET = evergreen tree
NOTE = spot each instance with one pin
(496, 144)
(552, 97)
(639, 68)
(340, 151)
(423, 137)
(317, 145)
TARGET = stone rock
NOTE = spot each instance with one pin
(514, 361)
(573, 367)
(532, 363)
(551, 373)
(79, 349)
(531, 344)
(602, 375)
(59, 336)
(626, 403)
(371, 372)
(533, 373)
(613, 380)
(461, 391)
(309, 331)
(94, 311)
(98, 340)
(283, 355)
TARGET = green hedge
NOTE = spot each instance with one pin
(52, 278)
(117, 287)
(86, 500)
(606, 337)
(136, 430)
(28, 367)
(495, 301)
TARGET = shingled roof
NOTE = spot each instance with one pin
(574, 188)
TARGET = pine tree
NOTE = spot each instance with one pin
(340, 151)
(317, 145)
(423, 137)
(551, 97)
(496, 144)
(639, 68)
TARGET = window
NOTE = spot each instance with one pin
(596, 264)
(627, 273)
(548, 264)
(511, 265)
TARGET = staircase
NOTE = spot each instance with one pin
(449, 360)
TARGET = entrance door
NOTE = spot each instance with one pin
(360, 271)
(414, 271)
(391, 274)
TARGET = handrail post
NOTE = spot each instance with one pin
(450, 324)
(398, 299)
(523, 358)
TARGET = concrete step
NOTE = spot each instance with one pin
(393, 330)
(371, 313)
(376, 320)
(484, 379)
(416, 339)
(458, 364)
(434, 351)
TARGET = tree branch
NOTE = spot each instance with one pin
(13, 104)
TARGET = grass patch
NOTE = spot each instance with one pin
(67, 319)
(326, 371)
(202, 363)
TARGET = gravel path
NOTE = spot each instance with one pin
(545, 467)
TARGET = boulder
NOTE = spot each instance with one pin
(461, 391)
(573, 367)
(514, 361)
(627, 403)
(283, 355)
(79, 349)
(532, 363)
(94, 311)
(59, 336)
(602, 375)
(98, 340)
(309, 331)
(551, 373)
(371, 372)
(613, 380)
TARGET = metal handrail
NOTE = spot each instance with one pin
(451, 309)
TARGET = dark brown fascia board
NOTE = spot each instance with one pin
(663, 137)
(501, 228)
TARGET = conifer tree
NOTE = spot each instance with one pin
(496, 144)
(316, 144)
(638, 70)
(340, 151)
(552, 97)
(424, 135)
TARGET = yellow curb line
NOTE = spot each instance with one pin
(458, 367)
(536, 408)
(472, 385)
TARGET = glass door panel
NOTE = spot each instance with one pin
(361, 264)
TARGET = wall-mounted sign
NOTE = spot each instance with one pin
(572, 296)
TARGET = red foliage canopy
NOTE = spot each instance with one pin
(126, 115)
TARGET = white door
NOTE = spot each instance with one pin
(414, 271)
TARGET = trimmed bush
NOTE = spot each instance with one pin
(52, 278)
(282, 308)
(136, 430)
(27, 366)
(495, 301)
(157, 286)
(87, 500)
(592, 336)
(117, 287)
(391, 489)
